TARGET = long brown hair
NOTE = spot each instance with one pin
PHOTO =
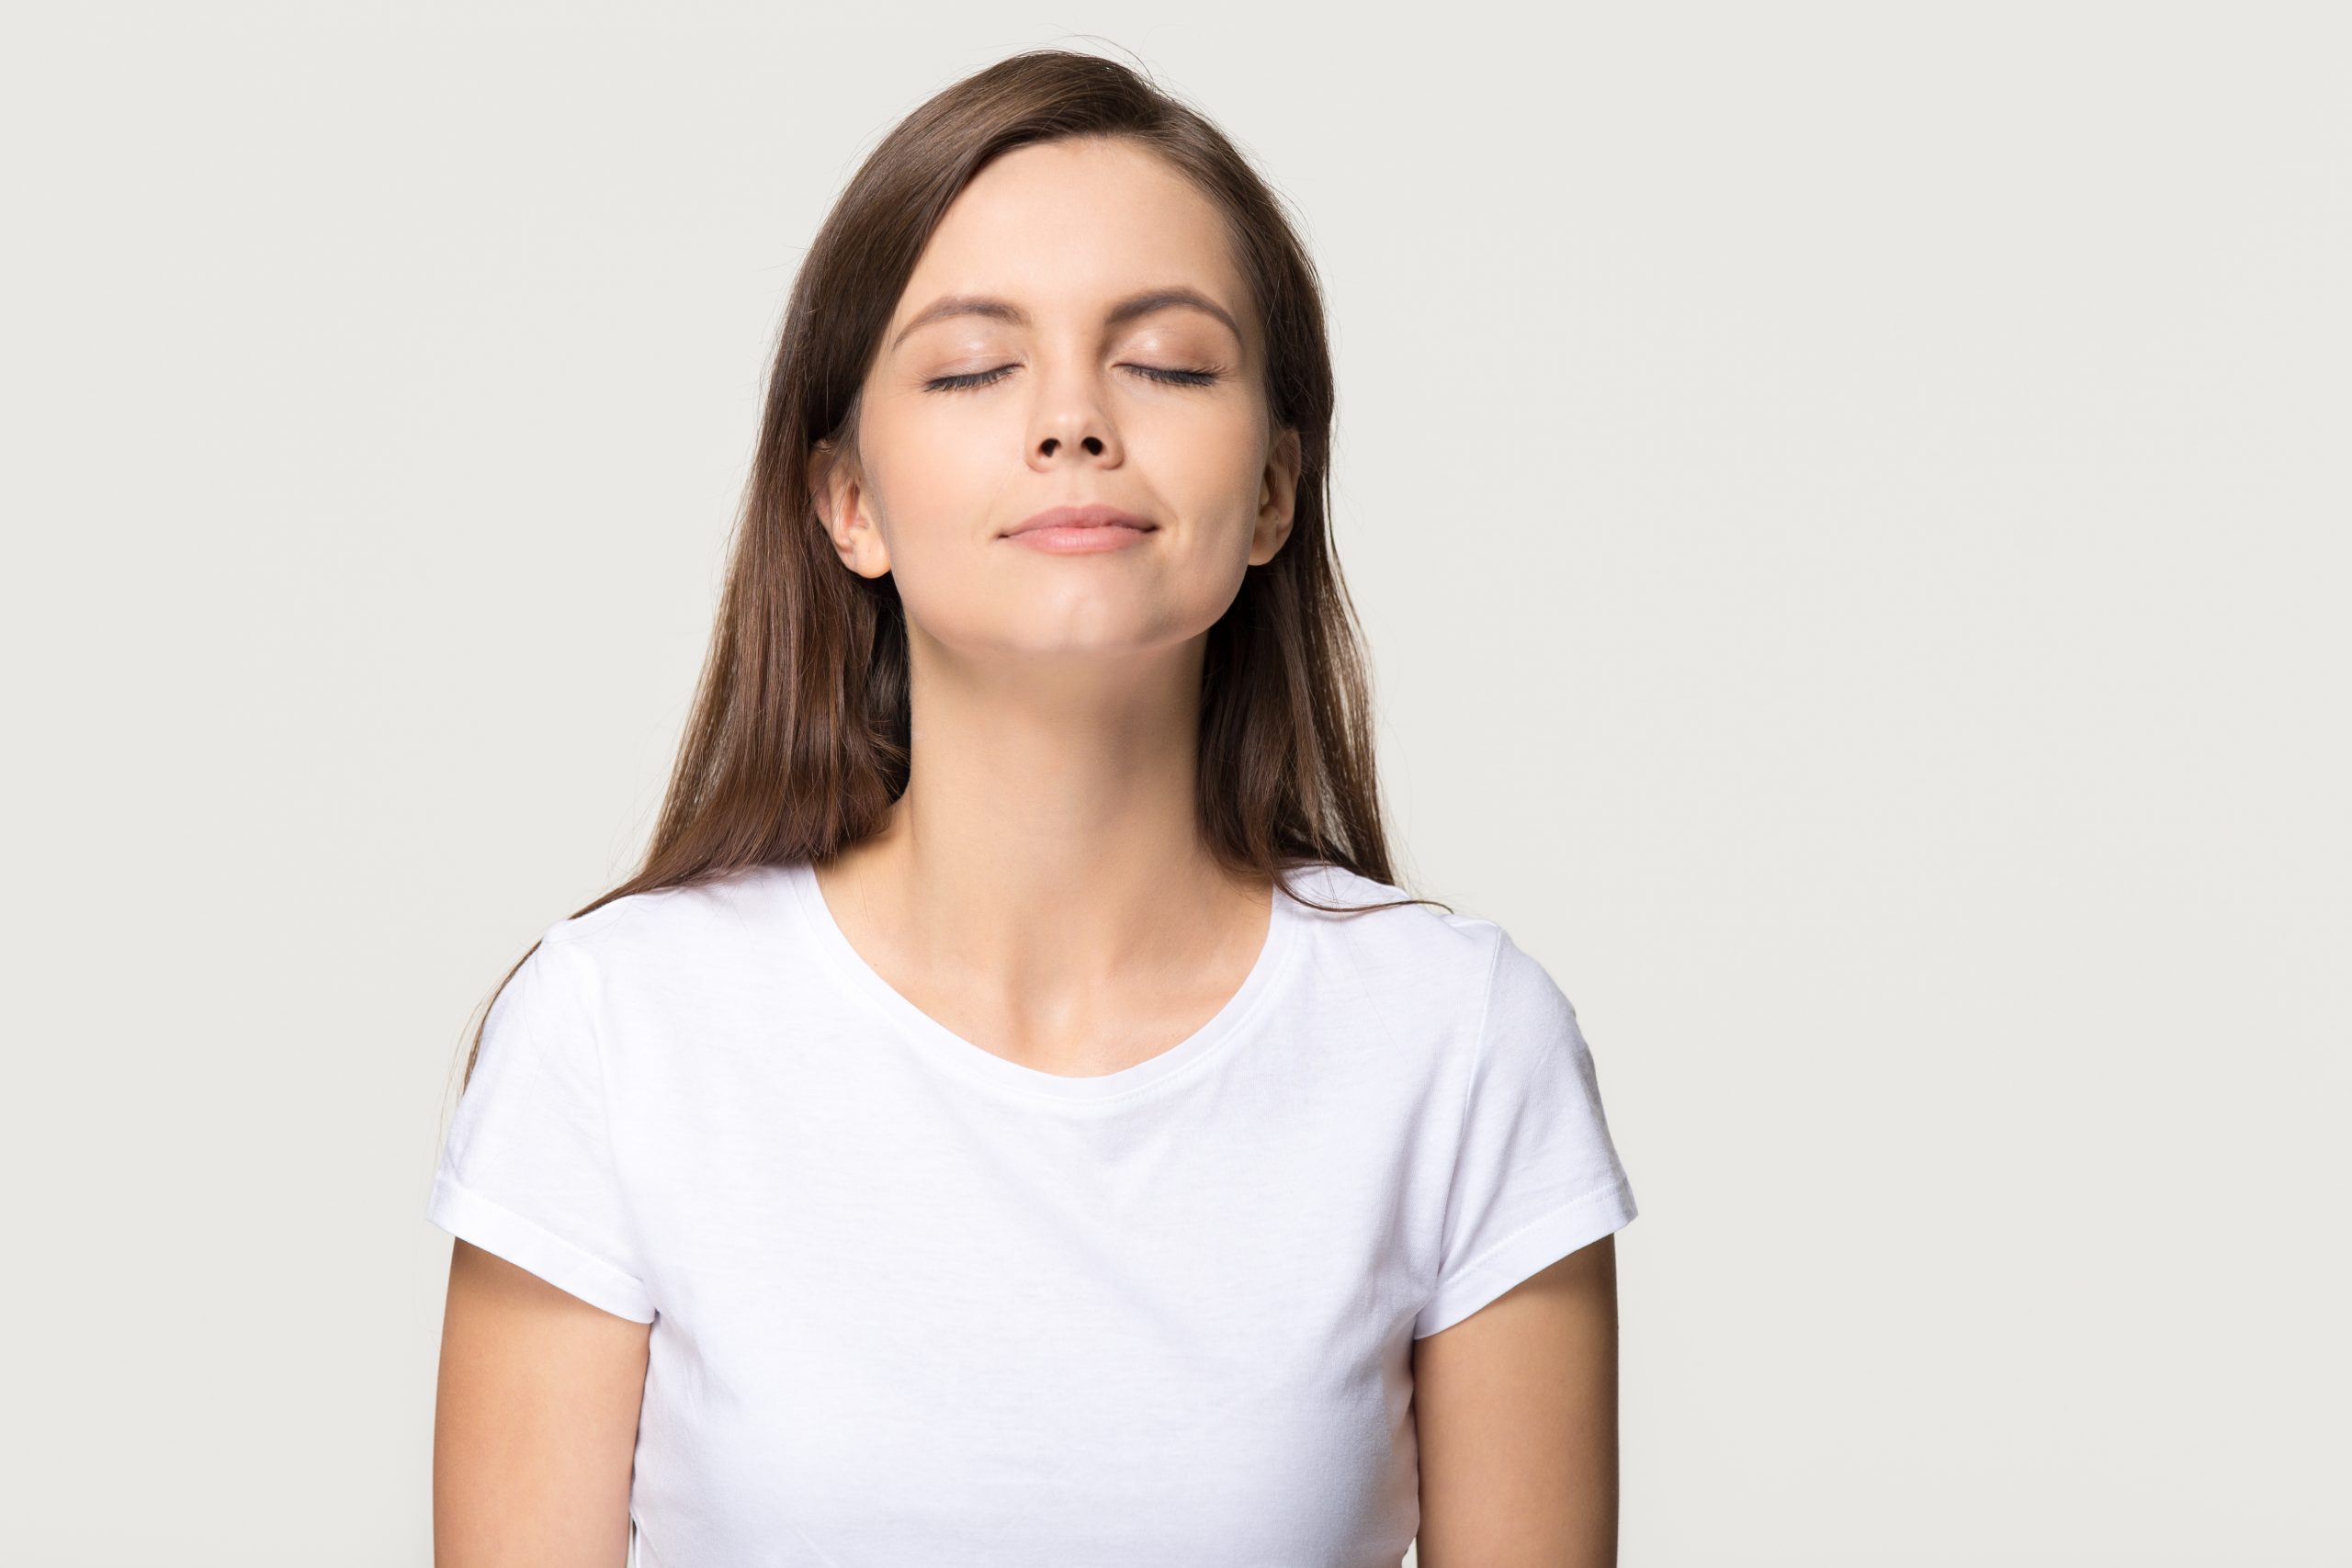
(799, 741)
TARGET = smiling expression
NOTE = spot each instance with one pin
(1076, 334)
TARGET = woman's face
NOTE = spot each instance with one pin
(1011, 380)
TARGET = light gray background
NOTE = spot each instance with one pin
(1849, 508)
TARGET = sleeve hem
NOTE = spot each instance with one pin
(1531, 1248)
(492, 1226)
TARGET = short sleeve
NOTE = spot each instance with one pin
(526, 1170)
(1535, 1173)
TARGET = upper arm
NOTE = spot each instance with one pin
(535, 1432)
(1516, 1412)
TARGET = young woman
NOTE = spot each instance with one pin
(1013, 1117)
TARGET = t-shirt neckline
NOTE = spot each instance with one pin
(952, 1051)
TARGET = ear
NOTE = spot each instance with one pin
(1277, 497)
(837, 490)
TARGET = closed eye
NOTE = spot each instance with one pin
(1197, 377)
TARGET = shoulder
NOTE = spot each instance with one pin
(668, 930)
(1471, 963)
(1422, 950)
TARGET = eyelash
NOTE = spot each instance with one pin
(977, 379)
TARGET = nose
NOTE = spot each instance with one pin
(1068, 425)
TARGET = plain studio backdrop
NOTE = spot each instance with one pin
(1849, 507)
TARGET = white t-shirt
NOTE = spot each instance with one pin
(914, 1303)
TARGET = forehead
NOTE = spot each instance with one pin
(1065, 228)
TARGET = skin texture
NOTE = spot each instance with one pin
(1516, 1407)
(535, 1427)
(1040, 889)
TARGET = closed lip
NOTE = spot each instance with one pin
(1081, 517)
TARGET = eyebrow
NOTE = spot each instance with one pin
(1125, 310)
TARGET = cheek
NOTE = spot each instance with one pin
(1204, 456)
(930, 482)
(923, 470)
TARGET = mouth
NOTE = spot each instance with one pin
(1095, 516)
